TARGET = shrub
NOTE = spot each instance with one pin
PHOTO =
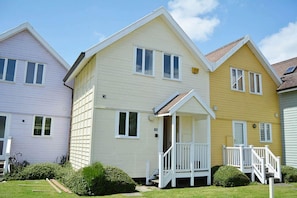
(229, 176)
(74, 180)
(117, 181)
(40, 171)
(94, 175)
(214, 169)
(289, 174)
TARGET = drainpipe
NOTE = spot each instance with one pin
(70, 127)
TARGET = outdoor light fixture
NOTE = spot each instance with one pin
(254, 126)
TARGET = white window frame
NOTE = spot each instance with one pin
(143, 72)
(172, 66)
(5, 70)
(43, 126)
(254, 80)
(237, 79)
(35, 73)
(117, 123)
(266, 125)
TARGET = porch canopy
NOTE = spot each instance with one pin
(188, 102)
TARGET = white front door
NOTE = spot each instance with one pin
(239, 133)
(3, 129)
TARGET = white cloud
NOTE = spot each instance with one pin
(192, 16)
(99, 36)
(281, 45)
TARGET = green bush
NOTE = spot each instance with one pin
(40, 171)
(73, 180)
(117, 181)
(214, 169)
(94, 175)
(289, 174)
(229, 176)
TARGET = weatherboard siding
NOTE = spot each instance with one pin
(23, 101)
(243, 106)
(119, 88)
(82, 117)
(288, 106)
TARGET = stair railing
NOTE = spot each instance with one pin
(258, 164)
(165, 167)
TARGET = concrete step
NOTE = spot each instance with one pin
(155, 181)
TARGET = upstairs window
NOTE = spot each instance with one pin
(35, 72)
(42, 126)
(171, 66)
(7, 69)
(255, 83)
(144, 61)
(265, 132)
(237, 79)
(127, 124)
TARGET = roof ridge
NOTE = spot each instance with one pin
(224, 46)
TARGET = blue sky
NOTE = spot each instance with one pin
(73, 26)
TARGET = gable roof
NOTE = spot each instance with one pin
(161, 12)
(29, 28)
(177, 101)
(219, 56)
(289, 80)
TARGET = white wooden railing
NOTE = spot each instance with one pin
(165, 167)
(7, 154)
(254, 159)
(190, 157)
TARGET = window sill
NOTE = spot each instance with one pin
(127, 137)
(145, 75)
(172, 79)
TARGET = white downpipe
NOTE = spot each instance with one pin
(173, 130)
(209, 150)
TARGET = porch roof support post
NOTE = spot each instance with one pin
(209, 149)
(252, 163)
(173, 129)
(241, 157)
(192, 153)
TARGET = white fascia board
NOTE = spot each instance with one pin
(287, 90)
(160, 106)
(264, 62)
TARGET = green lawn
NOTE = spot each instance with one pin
(41, 188)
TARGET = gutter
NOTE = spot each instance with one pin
(75, 65)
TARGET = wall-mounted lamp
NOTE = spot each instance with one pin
(195, 70)
(215, 108)
(151, 117)
(276, 115)
(254, 126)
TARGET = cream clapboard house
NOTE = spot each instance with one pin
(141, 103)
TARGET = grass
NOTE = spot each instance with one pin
(41, 188)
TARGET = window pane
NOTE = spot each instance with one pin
(233, 80)
(132, 124)
(2, 61)
(240, 80)
(30, 72)
(2, 126)
(268, 138)
(38, 125)
(258, 83)
(47, 127)
(262, 132)
(252, 83)
(10, 70)
(176, 67)
(148, 67)
(139, 60)
(167, 66)
(39, 74)
(122, 123)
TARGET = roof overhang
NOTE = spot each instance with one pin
(178, 103)
(161, 12)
